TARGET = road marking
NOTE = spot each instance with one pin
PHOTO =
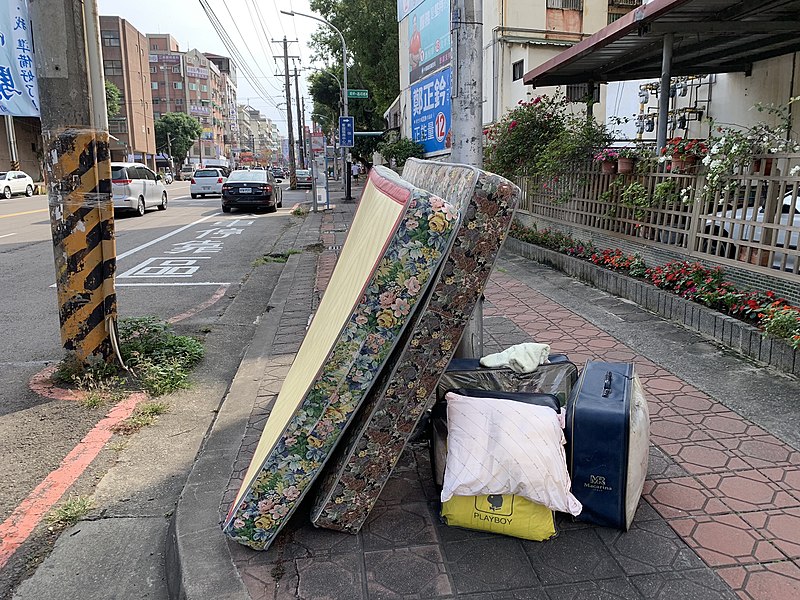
(202, 306)
(27, 212)
(170, 284)
(165, 236)
(7, 234)
(27, 515)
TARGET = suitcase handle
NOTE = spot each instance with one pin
(607, 384)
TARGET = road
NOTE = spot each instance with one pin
(188, 263)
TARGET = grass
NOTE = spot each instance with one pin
(70, 512)
(143, 416)
(300, 211)
(275, 257)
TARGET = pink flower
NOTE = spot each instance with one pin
(265, 506)
(361, 319)
(401, 307)
(412, 224)
(291, 492)
(513, 124)
(412, 285)
(437, 203)
(386, 299)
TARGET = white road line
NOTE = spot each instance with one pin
(7, 234)
(165, 236)
(177, 283)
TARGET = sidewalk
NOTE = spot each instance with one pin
(720, 517)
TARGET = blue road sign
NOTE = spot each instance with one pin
(347, 126)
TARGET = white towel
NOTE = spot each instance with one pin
(522, 358)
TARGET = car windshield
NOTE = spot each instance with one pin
(206, 173)
(3, 174)
(303, 172)
(254, 176)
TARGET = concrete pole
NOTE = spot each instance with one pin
(466, 123)
(287, 84)
(77, 171)
(300, 132)
(663, 93)
(13, 155)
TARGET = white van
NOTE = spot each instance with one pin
(135, 187)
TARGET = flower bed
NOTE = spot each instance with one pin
(693, 281)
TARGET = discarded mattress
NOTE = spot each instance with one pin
(355, 477)
(398, 239)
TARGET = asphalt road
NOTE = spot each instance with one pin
(187, 263)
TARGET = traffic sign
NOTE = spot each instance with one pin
(347, 126)
(357, 94)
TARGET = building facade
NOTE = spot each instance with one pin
(227, 102)
(259, 140)
(126, 65)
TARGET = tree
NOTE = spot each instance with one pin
(401, 150)
(183, 132)
(113, 98)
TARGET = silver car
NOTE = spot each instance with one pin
(135, 187)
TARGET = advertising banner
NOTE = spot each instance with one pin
(430, 112)
(172, 59)
(197, 72)
(406, 6)
(19, 90)
(428, 38)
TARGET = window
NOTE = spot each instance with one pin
(203, 88)
(156, 115)
(176, 69)
(112, 67)
(156, 101)
(192, 87)
(517, 70)
(178, 101)
(154, 47)
(565, 4)
(154, 69)
(614, 16)
(154, 85)
(117, 126)
(110, 38)
(178, 85)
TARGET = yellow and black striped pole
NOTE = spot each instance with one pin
(82, 217)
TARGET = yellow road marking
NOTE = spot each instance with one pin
(27, 212)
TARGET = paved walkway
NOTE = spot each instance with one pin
(721, 512)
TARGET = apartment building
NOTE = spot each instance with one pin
(259, 139)
(126, 65)
(228, 108)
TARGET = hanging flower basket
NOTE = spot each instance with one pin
(608, 168)
(681, 164)
(625, 165)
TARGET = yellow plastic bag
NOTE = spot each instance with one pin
(506, 514)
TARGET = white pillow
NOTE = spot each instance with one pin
(499, 446)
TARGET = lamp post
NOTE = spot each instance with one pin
(341, 96)
(292, 13)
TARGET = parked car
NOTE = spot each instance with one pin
(207, 181)
(15, 182)
(136, 187)
(186, 172)
(254, 189)
(304, 179)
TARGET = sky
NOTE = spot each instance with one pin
(190, 26)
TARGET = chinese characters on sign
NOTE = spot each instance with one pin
(430, 112)
(428, 38)
(19, 90)
(347, 132)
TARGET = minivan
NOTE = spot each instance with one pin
(135, 187)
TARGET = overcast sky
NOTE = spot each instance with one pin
(187, 22)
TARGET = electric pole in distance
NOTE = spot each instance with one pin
(287, 85)
(77, 171)
(300, 133)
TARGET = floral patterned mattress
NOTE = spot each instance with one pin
(355, 477)
(398, 240)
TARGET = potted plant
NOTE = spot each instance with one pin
(683, 153)
(626, 158)
(607, 157)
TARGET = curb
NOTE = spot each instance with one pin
(732, 333)
(198, 560)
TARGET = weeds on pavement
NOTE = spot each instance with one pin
(70, 511)
(143, 416)
(275, 257)
(300, 211)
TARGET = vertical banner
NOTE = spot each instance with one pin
(19, 91)
(428, 38)
(430, 112)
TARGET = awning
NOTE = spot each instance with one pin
(710, 36)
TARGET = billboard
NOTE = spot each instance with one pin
(19, 90)
(196, 72)
(406, 6)
(428, 38)
(172, 59)
(430, 112)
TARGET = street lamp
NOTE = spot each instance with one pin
(292, 13)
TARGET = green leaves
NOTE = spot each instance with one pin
(113, 99)
(183, 132)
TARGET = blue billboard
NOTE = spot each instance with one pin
(428, 38)
(430, 112)
(406, 6)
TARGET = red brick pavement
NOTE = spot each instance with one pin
(738, 505)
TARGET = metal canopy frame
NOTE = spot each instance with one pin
(668, 38)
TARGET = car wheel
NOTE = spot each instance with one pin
(280, 202)
(163, 205)
(194, 196)
(226, 209)
(140, 207)
(7, 193)
(29, 191)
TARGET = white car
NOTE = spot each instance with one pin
(207, 181)
(135, 187)
(15, 182)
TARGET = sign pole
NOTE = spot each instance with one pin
(12, 143)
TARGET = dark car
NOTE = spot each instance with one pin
(277, 173)
(255, 190)
(304, 178)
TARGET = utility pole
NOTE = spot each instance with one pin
(77, 171)
(306, 141)
(467, 123)
(169, 151)
(12, 143)
(288, 89)
(300, 121)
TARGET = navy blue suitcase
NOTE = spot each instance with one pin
(608, 439)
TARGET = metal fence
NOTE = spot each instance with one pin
(752, 220)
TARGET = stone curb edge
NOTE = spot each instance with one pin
(732, 333)
(198, 562)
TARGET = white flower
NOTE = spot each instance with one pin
(707, 160)
(794, 171)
